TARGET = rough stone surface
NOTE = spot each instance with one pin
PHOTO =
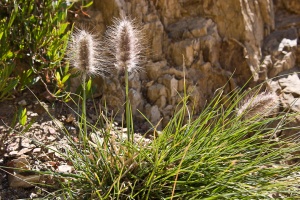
(290, 84)
(16, 178)
(208, 42)
(292, 5)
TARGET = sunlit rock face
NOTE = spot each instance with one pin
(210, 43)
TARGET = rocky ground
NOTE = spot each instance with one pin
(32, 149)
(36, 145)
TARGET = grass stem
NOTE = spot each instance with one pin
(83, 117)
(127, 109)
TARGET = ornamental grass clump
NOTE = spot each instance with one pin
(124, 40)
(206, 157)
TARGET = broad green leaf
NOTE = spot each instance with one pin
(66, 77)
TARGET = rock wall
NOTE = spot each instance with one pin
(218, 42)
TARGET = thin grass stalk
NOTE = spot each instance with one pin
(124, 43)
(179, 167)
(83, 118)
(127, 109)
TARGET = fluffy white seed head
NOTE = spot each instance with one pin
(85, 53)
(264, 104)
(125, 44)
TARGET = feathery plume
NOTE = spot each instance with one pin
(125, 44)
(264, 104)
(84, 53)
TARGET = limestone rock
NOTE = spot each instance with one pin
(208, 44)
(247, 30)
(155, 115)
(181, 85)
(155, 32)
(288, 88)
(155, 69)
(17, 180)
(290, 84)
(288, 62)
(289, 102)
(161, 102)
(292, 5)
(281, 47)
(136, 100)
(196, 97)
(182, 50)
(22, 102)
(195, 38)
(134, 81)
(155, 91)
(17, 177)
(112, 103)
(171, 84)
(20, 164)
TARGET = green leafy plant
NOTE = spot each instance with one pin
(62, 77)
(7, 66)
(7, 84)
(33, 38)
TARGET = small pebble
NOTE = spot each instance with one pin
(65, 169)
(51, 130)
(22, 102)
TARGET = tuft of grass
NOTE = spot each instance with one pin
(210, 157)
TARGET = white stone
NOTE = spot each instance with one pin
(65, 169)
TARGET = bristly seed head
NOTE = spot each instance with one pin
(85, 54)
(125, 44)
(264, 104)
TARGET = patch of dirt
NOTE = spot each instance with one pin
(34, 146)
